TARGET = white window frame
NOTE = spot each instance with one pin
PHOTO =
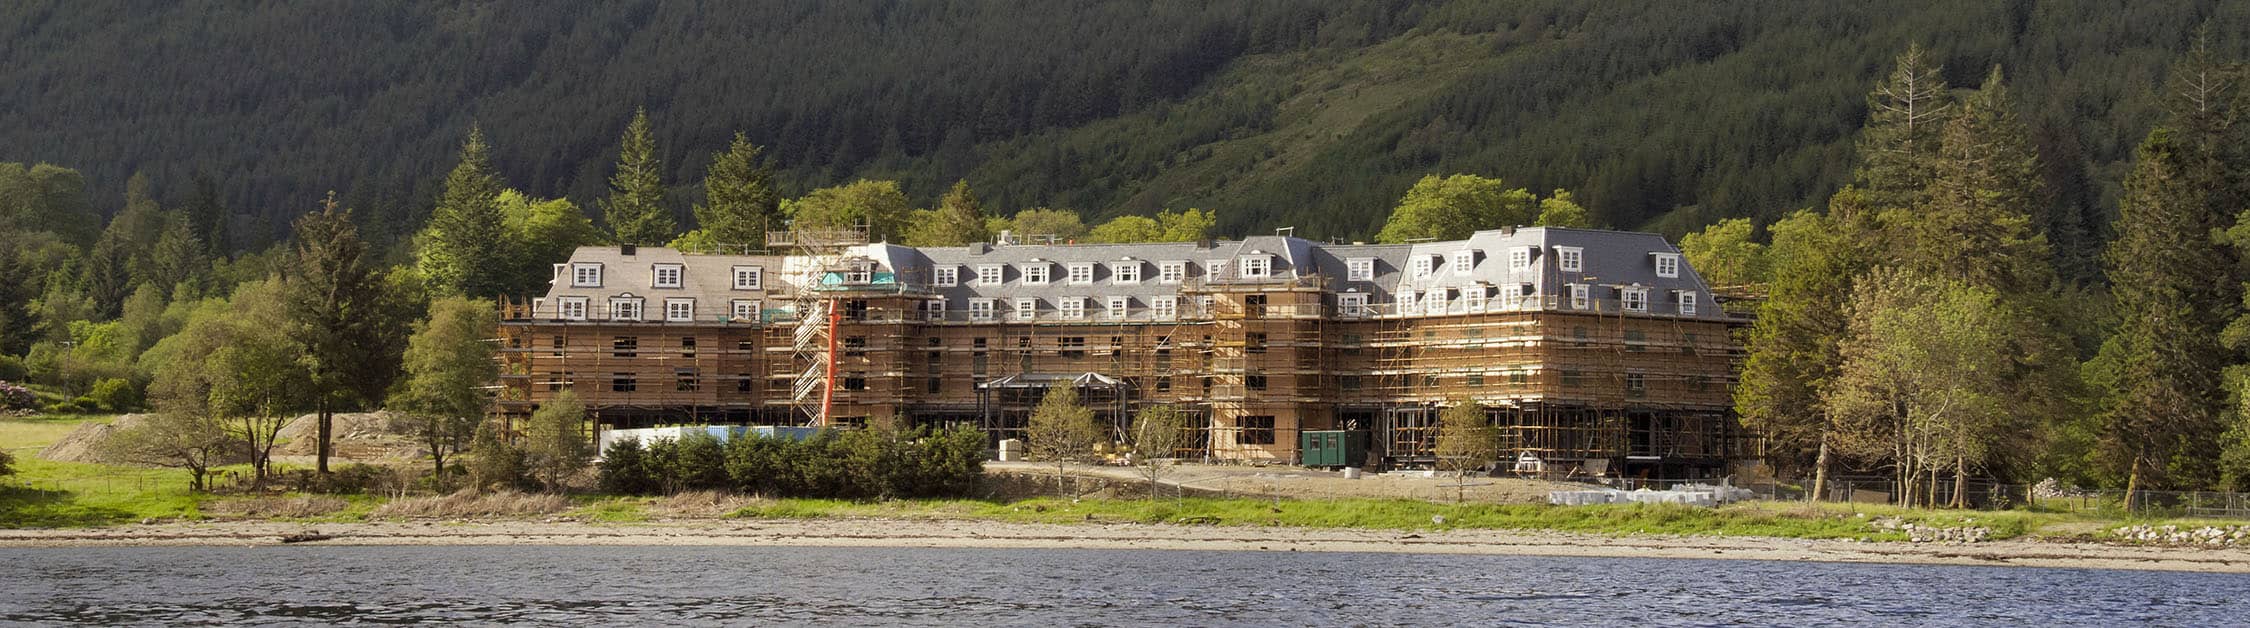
(1570, 259)
(1359, 269)
(1403, 302)
(1171, 272)
(1081, 273)
(1519, 258)
(1351, 304)
(746, 309)
(1126, 272)
(1164, 307)
(1215, 270)
(1474, 296)
(1511, 296)
(1072, 308)
(1687, 303)
(1119, 308)
(673, 310)
(632, 305)
(1668, 265)
(860, 273)
(1037, 273)
(981, 310)
(1633, 299)
(1435, 301)
(1203, 305)
(991, 274)
(656, 275)
(1027, 308)
(935, 310)
(571, 308)
(1464, 261)
(945, 275)
(1581, 296)
(749, 278)
(1421, 266)
(1256, 266)
(585, 275)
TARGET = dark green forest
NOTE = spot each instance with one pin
(1315, 114)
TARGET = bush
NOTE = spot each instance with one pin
(115, 395)
(624, 470)
(496, 464)
(7, 464)
(857, 464)
(16, 397)
(12, 369)
(700, 466)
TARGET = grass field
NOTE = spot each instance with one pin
(43, 493)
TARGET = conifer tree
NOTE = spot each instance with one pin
(636, 210)
(1898, 147)
(335, 305)
(2161, 424)
(464, 250)
(1793, 348)
(740, 204)
(1975, 224)
(959, 219)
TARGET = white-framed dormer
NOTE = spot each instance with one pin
(1464, 261)
(1164, 308)
(1027, 308)
(666, 275)
(860, 272)
(1072, 308)
(1125, 271)
(1081, 273)
(1421, 266)
(1037, 272)
(1519, 258)
(625, 307)
(1687, 303)
(585, 274)
(679, 309)
(1667, 265)
(1511, 296)
(1403, 302)
(945, 275)
(1633, 298)
(1118, 308)
(750, 278)
(990, 274)
(1359, 269)
(1215, 270)
(1570, 259)
(1171, 271)
(571, 308)
(1256, 265)
(1581, 296)
(745, 310)
(1473, 297)
(980, 310)
(1351, 305)
(933, 310)
(1434, 301)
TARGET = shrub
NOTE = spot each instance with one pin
(624, 470)
(859, 464)
(115, 395)
(12, 369)
(701, 464)
(7, 464)
(16, 397)
(496, 464)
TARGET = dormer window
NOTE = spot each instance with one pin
(1082, 273)
(1570, 259)
(746, 310)
(1215, 269)
(679, 310)
(980, 309)
(571, 308)
(1119, 307)
(860, 272)
(1164, 307)
(1404, 301)
(1421, 266)
(946, 276)
(1170, 272)
(1519, 258)
(1668, 265)
(1581, 296)
(627, 308)
(1359, 269)
(1035, 273)
(1125, 272)
(1511, 296)
(749, 278)
(1434, 302)
(934, 310)
(1257, 266)
(666, 275)
(585, 275)
(1634, 299)
(1474, 296)
(1352, 304)
(989, 275)
(1464, 261)
(1027, 308)
(1687, 304)
(1073, 308)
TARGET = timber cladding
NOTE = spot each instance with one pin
(1258, 339)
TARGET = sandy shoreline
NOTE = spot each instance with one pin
(986, 534)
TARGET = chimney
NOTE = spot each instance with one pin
(626, 249)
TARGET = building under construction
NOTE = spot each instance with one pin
(1593, 349)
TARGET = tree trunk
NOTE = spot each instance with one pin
(1961, 482)
(2132, 484)
(1820, 471)
(325, 424)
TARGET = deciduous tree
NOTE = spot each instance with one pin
(448, 365)
(879, 205)
(1159, 431)
(1451, 208)
(1062, 430)
(959, 219)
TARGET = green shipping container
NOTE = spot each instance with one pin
(1332, 448)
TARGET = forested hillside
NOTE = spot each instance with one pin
(1313, 113)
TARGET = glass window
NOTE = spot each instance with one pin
(1667, 265)
(572, 308)
(980, 309)
(749, 278)
(1126, 272)
(1361, 269)
(1035, 273)
(1118, 306)
(1635, 299)
(586, 275)
(1580, 296)
(1571, 259)
(1519, 258)
(746, 310)
(667, 276)
(1420, 266)
(1027, 308)
(1464, 261)
(1351, 304)
(1073, 308)
(1170, 272)
(625, 309)
(679, 310)
(1082, 273)
(1257, 266)
(1165, 307)
(1474, 295)
(1215, 269)
(947, 275)
(1687, 304)
(934, 310)
(988, 274)
(1257, 430)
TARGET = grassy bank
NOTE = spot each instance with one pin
(60, 494)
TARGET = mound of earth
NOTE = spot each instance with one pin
(85, 443)
(360, 436)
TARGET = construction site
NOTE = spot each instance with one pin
(1593, 352)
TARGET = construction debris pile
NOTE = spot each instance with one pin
(1690, 494)
(2235, 536)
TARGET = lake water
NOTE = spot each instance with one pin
(976, 587)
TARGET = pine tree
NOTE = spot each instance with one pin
(959, 219)
(178, 257)
(464, 250)
(1975, 224)
(1899, 146)
(2161, 425)
(635, 209)
(741, 202)
(335, 305)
